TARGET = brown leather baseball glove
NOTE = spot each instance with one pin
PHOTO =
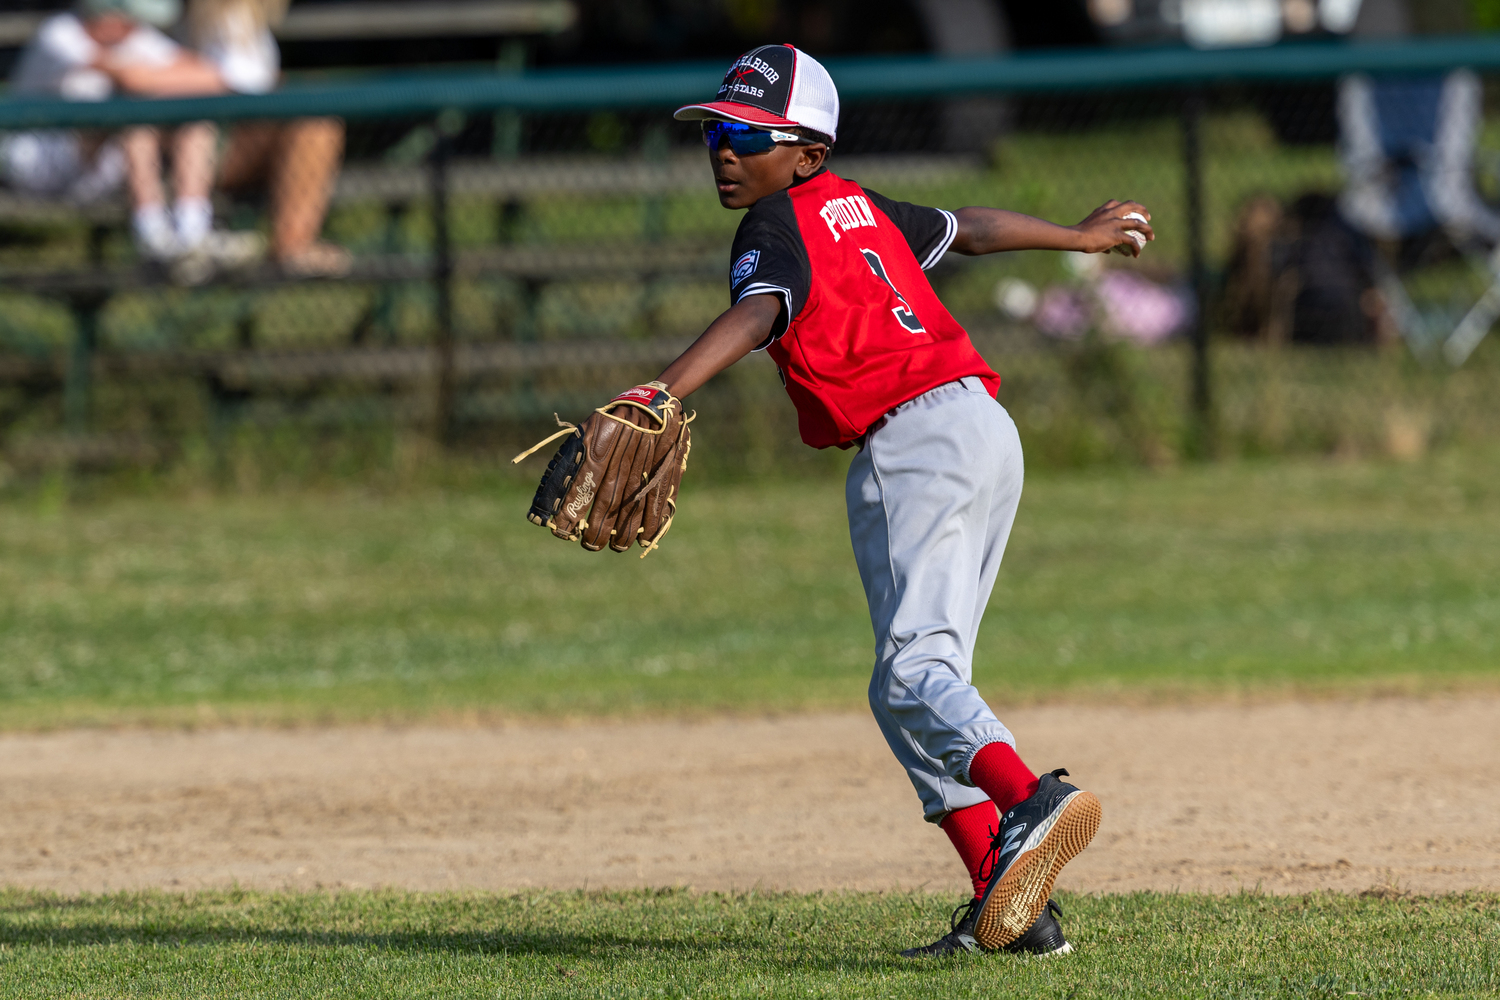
(614, 479)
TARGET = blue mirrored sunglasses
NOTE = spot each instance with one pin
(745, 140)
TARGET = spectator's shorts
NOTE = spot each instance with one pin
(51, 164)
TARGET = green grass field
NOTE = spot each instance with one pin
(1242, 577)
(345, 604)
(679, 945)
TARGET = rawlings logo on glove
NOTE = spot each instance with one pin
(614, 480)
(583, 499)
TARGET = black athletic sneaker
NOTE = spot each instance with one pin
(1044, 938)
(1037, 837)
(960, 936)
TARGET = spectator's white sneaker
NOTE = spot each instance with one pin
(155, 238)
(231, 249)
(217, 251)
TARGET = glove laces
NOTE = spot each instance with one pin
(567, 429)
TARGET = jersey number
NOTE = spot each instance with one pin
(903, 313)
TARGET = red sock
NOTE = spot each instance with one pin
(971, 830)
(997, 771)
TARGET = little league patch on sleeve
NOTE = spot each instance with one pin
(744, 267)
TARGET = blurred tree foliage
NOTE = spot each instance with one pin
(1485, 14)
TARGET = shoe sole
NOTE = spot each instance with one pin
(1021, 896)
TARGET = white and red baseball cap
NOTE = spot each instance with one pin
(774, 86)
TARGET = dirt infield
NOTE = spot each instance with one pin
(1289, 797)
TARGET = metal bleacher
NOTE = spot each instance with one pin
(88, 287)
(442, 177)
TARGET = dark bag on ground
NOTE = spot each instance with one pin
(1300, 274)
(1332, 263)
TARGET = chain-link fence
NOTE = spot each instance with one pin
(521, 253)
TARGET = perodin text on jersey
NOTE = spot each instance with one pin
(844, 214)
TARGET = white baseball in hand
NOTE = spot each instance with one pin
(1139, 239)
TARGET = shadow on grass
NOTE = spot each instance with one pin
(768, 956)
(479, 943)
(789, 941)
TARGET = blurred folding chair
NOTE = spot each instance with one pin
(1408, 149)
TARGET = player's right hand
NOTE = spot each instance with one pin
(1107, 227)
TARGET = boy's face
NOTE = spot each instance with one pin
(109, 29)
(744, 180)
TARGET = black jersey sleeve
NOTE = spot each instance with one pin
(928, 231)
(769, 258)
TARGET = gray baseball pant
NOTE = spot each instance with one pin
(932, 496)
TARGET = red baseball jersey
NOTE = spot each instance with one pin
(861, 330)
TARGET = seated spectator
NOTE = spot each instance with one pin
(296, 161)
(104, 47)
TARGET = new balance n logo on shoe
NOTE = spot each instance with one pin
(1012, 839)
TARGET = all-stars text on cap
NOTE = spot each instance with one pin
(771, 86)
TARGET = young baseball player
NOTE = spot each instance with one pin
(827, 277)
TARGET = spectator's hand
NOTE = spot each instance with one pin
(1106, 227)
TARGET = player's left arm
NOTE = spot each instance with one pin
(992, 230)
